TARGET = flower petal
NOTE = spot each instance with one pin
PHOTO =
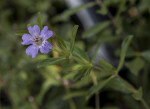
(32, 50)
(34, 31)
(45, 47)
(27, 39)
(44, 30)
(45, 33)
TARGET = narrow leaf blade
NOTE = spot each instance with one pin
(98, 87)
(61, 43)
(65, 15)
(95, 29)
(39, 21)
(124, 48)
(72, 43)
(20, 33)
(51, 61)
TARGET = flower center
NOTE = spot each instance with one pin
(38, 41)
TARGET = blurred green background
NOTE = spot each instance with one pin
(25, 86)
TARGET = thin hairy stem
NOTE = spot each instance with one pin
(100, 4)
(133, 91)
(71, 102)
(145, 104)
(113, 74)
(97, 95)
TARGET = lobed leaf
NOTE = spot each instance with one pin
(135, 65)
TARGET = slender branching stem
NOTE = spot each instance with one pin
(71, 102)
(97, 94)
(100, 4)
(113, 74)
(134, 91)
(124, 81)
(145, 104)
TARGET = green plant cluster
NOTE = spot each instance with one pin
(67, 77)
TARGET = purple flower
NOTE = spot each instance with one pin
(37, 40)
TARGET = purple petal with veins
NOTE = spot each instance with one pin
(45, 47)
(37, 40)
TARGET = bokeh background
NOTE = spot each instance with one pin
(25, 86)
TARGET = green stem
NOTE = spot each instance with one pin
(88, 64)
(71, 102)
(133, 91)
(81, 61)
(97, 103)
(100, 4)
(97, 100)
(113, 73)
(145, 104)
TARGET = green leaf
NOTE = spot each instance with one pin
(61, 43)
(129, 53)
(146, 55)
(75, 94)
(102, 11)
(110, 2)
(51, 61)
(72, 43)
(122, 7)
(110, 107)
(45, 87)
(98, 87)
(108, 38)
(95, 29)
(135, 65)
(20, 33)
(65, 15)
(82, 72)
(39, 21)
(80, 54)
(106, 65)
(118, 85)
(124, 48)
(30, 25)
(138, 95)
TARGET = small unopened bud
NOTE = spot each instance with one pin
(133, 12)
